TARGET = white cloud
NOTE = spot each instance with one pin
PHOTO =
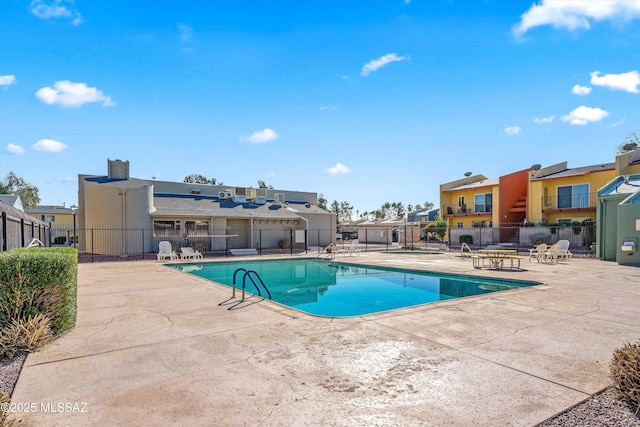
(334, 107)
(261, 136)
(581, 90)
(512, 130)
(7, 80)
(583, 115)
(14, 149)
(338, 169)
(55, 9)
(69, 94)
(380, 62)
(50, 145)
(186, 33)
(576, 14)
(544, 119)
(628, 82)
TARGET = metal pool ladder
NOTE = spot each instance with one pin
(249, 274)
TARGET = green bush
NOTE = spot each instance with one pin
(39, 281)
(539, 238)
(577, 227)
(466, 238)
(625, 373)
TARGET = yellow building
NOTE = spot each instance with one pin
(560, 195)
(59, 218)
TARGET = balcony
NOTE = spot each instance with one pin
(468, 209)
(569, 203)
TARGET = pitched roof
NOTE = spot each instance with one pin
(577, 171)
(193, 205)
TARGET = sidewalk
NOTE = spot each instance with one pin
(153, 347)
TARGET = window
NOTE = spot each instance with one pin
(461, 225)
(483, 202)
(166, 228)
(52, 218)
(196, 228)
(478, 224)
(42, 218)
(460, 201)
(573, 196)
(564, 221)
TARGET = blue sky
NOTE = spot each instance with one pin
(362, 101)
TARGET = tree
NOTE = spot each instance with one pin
(322, 202)
(335, 208)
(28, 193)
(346, 211)
(392, 210)
(436, 231)
(196, 178)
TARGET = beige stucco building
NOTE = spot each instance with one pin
(122, 215)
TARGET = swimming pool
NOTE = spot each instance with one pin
(336, 289)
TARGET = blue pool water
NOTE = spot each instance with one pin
(328, 288)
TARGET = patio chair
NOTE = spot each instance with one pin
(165, 251)
(538, 251)
(188, 253)
(563, 249)
(351, 249)
(551, 254)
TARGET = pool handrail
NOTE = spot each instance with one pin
(249, 273)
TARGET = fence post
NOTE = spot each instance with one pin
(290, 241)
(4, 231)
(22, 232)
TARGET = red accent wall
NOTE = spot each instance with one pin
(511, 188)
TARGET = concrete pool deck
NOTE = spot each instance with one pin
(153, 346)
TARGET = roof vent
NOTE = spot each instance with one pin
(278, 198)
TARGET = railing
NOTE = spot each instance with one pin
(570, 202)
(466, 210)
(249, 274)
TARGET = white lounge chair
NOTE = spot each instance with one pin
(563, 249)
(551, 254)
(34, 243)
(188, 253)
(351, 249)
(538, 251)
(165, 251)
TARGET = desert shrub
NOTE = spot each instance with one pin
(625, 373)
(39, 281)
(283, 244)
(25, 335)
(539, 238)
(466, 238)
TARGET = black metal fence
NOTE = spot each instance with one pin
(97, 244)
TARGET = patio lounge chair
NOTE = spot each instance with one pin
(165, 251)
(563, 249)
(538, 251)
(551, 254)
(188, 253)
(352, 249)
